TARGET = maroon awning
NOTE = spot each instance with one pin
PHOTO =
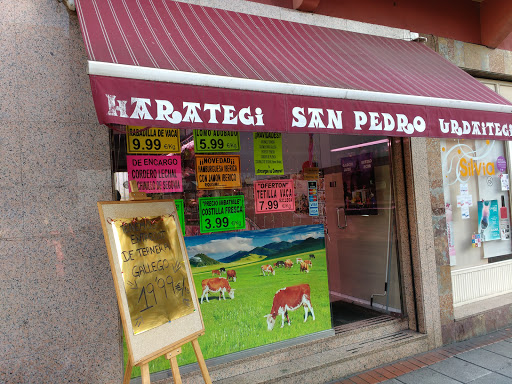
(165, 63)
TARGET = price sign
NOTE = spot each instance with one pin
(268, 153)
(274, 196)
(152, 140)
(155, 174)
(218, 171)
(206, 141)
(223, 213)
(180, 210)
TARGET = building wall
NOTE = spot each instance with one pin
(490, 62)
(59, 314)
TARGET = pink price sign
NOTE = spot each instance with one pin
(274, 196)
(156, 174)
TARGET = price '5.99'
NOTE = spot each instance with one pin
(213, 144)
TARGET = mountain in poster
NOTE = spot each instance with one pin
(279, 249)
(201, 259)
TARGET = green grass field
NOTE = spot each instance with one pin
(239, 324)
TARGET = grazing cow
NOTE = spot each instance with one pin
(215, 272)
(267, 268)
(222, 270)
(298, 260)
(216, 284)
(289, 299)
(279, 264)
(288, 263)
(312, 256)
(304, 267)
(231, 274)
(309, 263)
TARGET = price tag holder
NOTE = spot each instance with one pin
(274, 196)
(208, 141)
(222, 213)
(152, 140)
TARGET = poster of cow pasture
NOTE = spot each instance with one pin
(246, 280)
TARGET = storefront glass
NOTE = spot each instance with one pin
(310, 213)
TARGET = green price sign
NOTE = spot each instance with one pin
(223, 213)
(180, 209)
(208, 141)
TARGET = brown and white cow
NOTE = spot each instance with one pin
(299, 260)
(215, 272)
(304, 267)
(231, 274)
(288, 263)
(309, 263)
(290, 299)
(216, 284)
(267, 269)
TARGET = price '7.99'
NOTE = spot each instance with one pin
(269, 205)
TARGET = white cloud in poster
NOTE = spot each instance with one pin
(233, 244)
(276, 239)
(304, 236)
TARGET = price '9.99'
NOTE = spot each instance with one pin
(147, 145)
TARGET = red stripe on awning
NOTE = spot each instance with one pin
(170, 35)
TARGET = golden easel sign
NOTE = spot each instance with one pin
(155, 280)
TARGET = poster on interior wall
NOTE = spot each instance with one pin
(313, 198)
(218, 171)
(152, 140)
(253, 268)
(359, 189)
(488, 220)
(210, 141)
(156, 174)
(268, 153)
(221, 213)
(274, 196)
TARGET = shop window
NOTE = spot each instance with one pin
(326, 181)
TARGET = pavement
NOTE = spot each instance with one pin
(480, 360)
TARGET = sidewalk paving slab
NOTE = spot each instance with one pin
(492, 378)
(459, 370)
(425, 376)
(486, 359)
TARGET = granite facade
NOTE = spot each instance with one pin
(59, 318)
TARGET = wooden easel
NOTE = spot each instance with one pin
(170, 355)
(172, 351)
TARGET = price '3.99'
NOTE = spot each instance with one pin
(217, 223)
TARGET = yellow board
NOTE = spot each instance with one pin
(155, 280)
(158, 340)
(218, 172)
(152, 140)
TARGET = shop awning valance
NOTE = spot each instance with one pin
(165, 63)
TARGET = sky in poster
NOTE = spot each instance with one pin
(222, 245)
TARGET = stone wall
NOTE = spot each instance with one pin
(59, 313)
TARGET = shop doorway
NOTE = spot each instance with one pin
(361, 238)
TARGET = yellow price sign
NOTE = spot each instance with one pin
(152, 140)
